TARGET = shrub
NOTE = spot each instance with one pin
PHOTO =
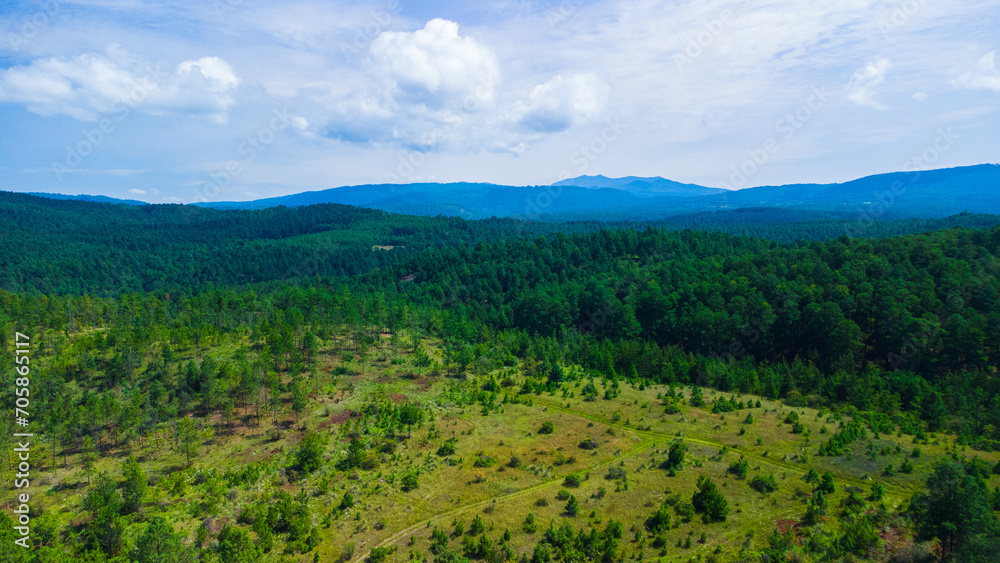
(739, 468)
(685, 510)
(572, 480)
(477, 527)
(529, 525)
(572, 507)
(409, 482)
(764, 484)
(709, 501)
(309, 455)
(347, 553)
(589, 444)
(483, 460)
(546, 428)
(878, 492)
(697, 399)
(379, 554)
(826, 485)
(659, 521)
(675, 457)
(346, 502)
(615, 473)
(447, 449)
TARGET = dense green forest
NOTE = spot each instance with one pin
(64, 246)
(170, 344)
(888, 324)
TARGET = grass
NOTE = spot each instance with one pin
(633, 433)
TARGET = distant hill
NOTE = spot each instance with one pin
(467, 200)
(934, 193)
(84, 197)
(896, 195)
(927, 193)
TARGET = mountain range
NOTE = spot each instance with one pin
(931, 193)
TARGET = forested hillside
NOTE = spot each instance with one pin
(858, 318)
(79, 247)
(55, 246)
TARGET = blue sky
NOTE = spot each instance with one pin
(241, 99)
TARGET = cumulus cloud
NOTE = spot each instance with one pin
(137, 191)
(984, 77)
(561, 102)
(438, 90)
(95, 84)
(434, 66)
(863, 84)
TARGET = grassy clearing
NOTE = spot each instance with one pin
(519, 470)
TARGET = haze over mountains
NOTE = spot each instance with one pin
(642, 187)
(933, 193)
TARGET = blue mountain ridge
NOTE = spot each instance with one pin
(931, 193)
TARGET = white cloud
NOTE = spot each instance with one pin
(861, 88)
(984, 77)
(747, 65)
(920, 96)
(437, 90)
(436, 67)
(136, 191)
(91, 85)
(561, 102)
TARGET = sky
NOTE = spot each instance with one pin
(223, 100)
